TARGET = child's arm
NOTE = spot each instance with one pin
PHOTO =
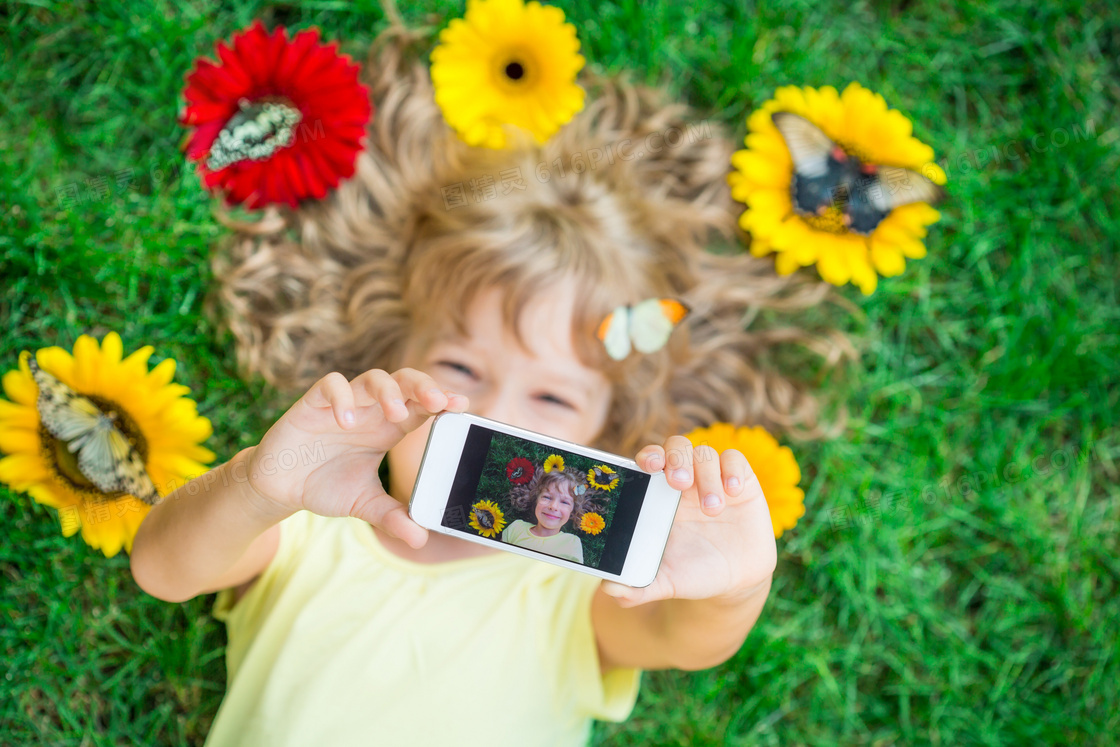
(210, 534)
(686, 634)
(715, 574)
(322, 455)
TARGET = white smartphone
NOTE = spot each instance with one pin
(543, 498)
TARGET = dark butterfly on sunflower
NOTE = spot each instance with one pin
(600, 476)
(826, 176)
(105, 456)
(484, 518)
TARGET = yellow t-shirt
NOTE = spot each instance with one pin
(561, 544)
(340, 642)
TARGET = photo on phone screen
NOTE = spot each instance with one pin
(547, 500)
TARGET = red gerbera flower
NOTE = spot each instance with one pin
(277, 121)
(519, 470)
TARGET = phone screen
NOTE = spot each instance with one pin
(551, 501)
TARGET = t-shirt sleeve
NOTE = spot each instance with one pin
(608, 697)
(244, 616)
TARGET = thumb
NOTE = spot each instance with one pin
(626, 596)
(381, 510)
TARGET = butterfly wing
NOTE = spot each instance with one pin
(653, 320)
(98, 452)
(808, 146)
(65, 414)
(899, 186)
(111, 463)
(134, 480)
(614, 331)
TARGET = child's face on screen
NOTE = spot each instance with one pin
(545, 388)
(554, 507)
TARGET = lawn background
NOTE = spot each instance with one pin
(980, 616)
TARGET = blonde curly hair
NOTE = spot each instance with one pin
(346, 283)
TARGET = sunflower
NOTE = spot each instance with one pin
(161, 424)
(602, 477)
(860, 123)
(487, 519)
(592, 523)
(519, 470)
(554, 462)
(507, 63)
(276, 121)
(774, 465)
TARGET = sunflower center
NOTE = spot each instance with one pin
(255, 132)
(854, 152)
(516, 71)
(830, 220)
(65, 462)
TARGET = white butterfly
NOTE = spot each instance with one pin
(105, 456)
(646, 324)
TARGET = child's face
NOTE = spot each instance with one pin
(545, 388)
(554, 507)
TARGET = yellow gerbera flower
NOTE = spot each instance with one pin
(774, 465)
(487, 519)
(602, 477)
(160, 423)
(592, 523)
(507, 63)
(861, 124)
(554, 462)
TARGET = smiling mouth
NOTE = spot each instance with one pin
(552, 516)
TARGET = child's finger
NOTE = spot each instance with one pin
(458, 402)
(377, 386)
(422, 388)
(651, 458)
(333, 391)
(678, 462)
(709, 483)
(735, 468)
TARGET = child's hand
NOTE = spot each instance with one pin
(323, 454)
(726, 550)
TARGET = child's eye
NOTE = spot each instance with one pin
(457, 367)
(556, 400)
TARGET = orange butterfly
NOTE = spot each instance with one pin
(647, 325)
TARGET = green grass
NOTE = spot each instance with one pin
(976, 616)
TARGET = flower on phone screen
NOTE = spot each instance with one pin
(487, 519)
(592, 523)
(554, 462)
(602, 477)
(519, 470)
